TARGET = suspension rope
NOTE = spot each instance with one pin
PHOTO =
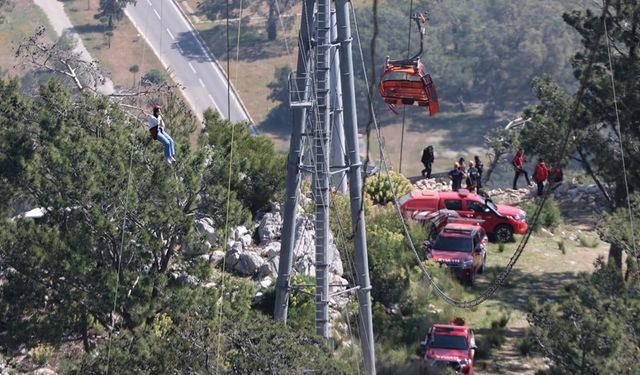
(619, 131)
(124, 229)
(284, 32)
(404, 108)
(226, 220)
(372, 113)
(124, 219)
(500, 279)
(238, 43)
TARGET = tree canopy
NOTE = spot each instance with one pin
(112, 10)
(118, 219)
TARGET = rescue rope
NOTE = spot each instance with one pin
(238, 43)
(284, 32)
(124, 220)
(226, 220)
(404, 108)
(619, 131)
(124, 229)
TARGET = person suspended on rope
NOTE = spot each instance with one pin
(158, 132)
(427, 161)
(540, 175)
(480, 168)
(518, 168)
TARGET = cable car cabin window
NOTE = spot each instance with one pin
(455, 204)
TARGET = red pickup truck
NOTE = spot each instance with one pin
(500, 221)
(449, 346)
(462, 246)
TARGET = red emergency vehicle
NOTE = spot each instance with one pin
(450, 345)
(499, 221)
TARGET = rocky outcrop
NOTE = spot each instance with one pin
(261, 259)
(206, 230)
(270, 226)
(437, 184)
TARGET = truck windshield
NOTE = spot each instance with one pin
(490, 204)
(403, 199)
(446, 243)
(449, 342)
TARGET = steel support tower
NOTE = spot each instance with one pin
(323, 107)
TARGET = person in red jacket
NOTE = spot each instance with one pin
(518, 168)
(557, 177)
(540, 175)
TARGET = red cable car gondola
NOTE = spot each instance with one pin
(405, 82)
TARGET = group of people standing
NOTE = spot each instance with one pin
(541, 173)
(472, 175)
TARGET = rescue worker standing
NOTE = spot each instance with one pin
(456, 176)
(480, 168)
(540, 175)
(557, 177)
(518, 168)
(427, 160)
(472, 179)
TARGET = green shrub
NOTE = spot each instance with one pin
(550, 217)
(302, 304)
(379, 187)
(41, 354)
(586, 242)
(153, 77)
(526, 345)
(562, 247)
(494, 338)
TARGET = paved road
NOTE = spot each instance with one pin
(60, 22)
(181, 52)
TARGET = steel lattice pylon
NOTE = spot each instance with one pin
(322, 104)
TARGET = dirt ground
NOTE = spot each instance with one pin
(125, 48)
(21, 20)
(541, 272)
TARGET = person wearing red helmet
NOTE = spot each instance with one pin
(158, 132)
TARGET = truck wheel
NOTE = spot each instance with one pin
(503, 233)
(484, 263)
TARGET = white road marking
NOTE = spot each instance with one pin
(157, 14)
(207, 52)
(192, 68)
(149, 2)
(212, 101)
(171, 35)
(201, 83)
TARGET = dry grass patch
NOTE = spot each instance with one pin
(20, 22)
(127, 47)
(254, 68)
